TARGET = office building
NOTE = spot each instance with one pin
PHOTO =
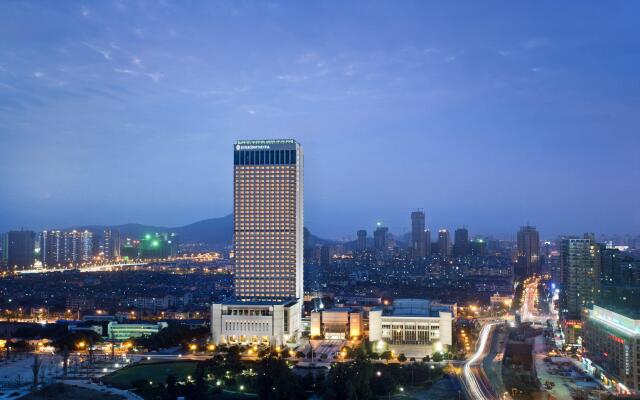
(461, 242)
(611, 347)
(427, 240)
(325, 255)
(528, 253)
(414, 327)
(580, 283)
(268, 245)
(111, 244)
(444, 243)
(580, 274)
(361, 243)
(418, 237)
(118, 331)
(19, 247)
(478, 248)
(381, 238)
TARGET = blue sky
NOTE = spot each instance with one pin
(487, 114)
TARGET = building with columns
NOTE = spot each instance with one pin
(268, 245)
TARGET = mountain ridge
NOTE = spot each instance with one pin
(213, 231)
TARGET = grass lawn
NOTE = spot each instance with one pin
(156, 372)
(61, 392)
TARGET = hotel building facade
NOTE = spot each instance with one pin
(268, 245)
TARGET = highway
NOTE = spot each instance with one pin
(474, 380)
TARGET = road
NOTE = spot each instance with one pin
(529, 312)
(474, 379)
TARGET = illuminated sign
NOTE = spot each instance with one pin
(616, 339)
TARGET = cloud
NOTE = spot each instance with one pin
(504, 53)
(136, 61)
(105, 53)
(38, 74)
(84, 11)
(534, 43)
(155, 76)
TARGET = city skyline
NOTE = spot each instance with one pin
(156, 98)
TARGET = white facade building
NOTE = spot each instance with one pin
(268, 245)
(414, 327)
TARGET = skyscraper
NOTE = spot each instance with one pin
(461, 242)
(580, 275)
(19, 247)
(444, 242)
(380, 237)
(361, 244)
(86, 246)
(427, 241)
(52, 248)
(72, 246)
(268, 245)
(111, 246)
(418, 237)
(528, 253)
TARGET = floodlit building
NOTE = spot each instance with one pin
(118, 331)
(268, 245)
(415, 327)
(336, 323)
(611, 345)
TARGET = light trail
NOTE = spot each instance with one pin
(91, 268)
(472, 380)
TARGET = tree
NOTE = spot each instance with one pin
(386, 355)
(171, 387)
(36, 368)
(350, 380)
(276, 381)
(402, 357)
(437, 356)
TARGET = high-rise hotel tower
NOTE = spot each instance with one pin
(268, 245)
(268, 228)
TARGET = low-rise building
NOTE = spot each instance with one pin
(611, 347)
(263, 322)
(118, 331)
(336, 323)
(414, 327)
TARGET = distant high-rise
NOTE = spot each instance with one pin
(325, 255)
(72, 246)
(444, 243)
(580, 275)
(86, 246)
(19, 248)
(52, 248)
(361, 244)
(111, 246)
(461, 242)
(418, 237)
(528, 253)
(380, 238)
(427, 241)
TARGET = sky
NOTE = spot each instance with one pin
(486, 114)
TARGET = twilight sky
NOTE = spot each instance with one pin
(487, 114)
